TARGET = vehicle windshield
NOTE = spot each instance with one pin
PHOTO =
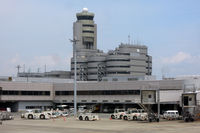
(28, 111)
(37, 111)
(121, 110)
(134, 111)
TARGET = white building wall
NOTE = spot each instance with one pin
(170, 95)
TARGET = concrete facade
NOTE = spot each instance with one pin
(25, 95)
(93, 64)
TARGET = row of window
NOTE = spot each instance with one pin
(118, 60)
(88, 25)
(95, 101)
(100, 92)
(85, 17)
(35, 93)
(87, 31)
(92, 92)
(118, 66)
(118, 72)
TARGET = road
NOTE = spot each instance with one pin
(105, 125)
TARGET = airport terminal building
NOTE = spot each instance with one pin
(120, 78)
(21, 95)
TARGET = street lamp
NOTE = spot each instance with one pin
(75, 75)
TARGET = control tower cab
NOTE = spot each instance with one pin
(85, 30)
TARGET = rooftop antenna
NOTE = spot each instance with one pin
(45, 68)
(128, 39)
(137, 42)
(38, 70)
(131, 41)
(24, 68)
(134, 42)
(29, 70)
(18, 68)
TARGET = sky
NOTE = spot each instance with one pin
(35, 33)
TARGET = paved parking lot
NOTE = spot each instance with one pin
(104, 125)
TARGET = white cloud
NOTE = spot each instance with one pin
(178, 58)
(15, 59)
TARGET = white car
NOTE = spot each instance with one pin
(143, 116)
(135, 114)
(171, 114)
(131, 114)
(88, 117)
(36, 114)
(118, 114)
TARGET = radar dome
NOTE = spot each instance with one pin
(85, 9)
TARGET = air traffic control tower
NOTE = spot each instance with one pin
(85, 31)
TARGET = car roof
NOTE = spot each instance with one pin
(172, 111)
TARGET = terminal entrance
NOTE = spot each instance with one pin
(5, 105)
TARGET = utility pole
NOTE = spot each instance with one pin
(75, 76)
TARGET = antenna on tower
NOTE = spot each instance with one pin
(131, 41)
(45, 68)
(24, 68)
(128, 39)
(38, 70)
(18, 68)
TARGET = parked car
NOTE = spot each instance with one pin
(88, 117)
(143, 115)
(135, 114)
(171, 114)
(27, 111)
(36, 114)
(118, 114)
(65, 114)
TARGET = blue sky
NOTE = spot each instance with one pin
(37, 32)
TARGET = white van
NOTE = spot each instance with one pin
(171, 114)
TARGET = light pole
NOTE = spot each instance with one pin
(158, 90)
(75, 75)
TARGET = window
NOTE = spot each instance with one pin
(100, 92)
(85, 17)
(114, 79)
(149, 96)
(190, 99)
(105, 101)
(34, 93)
(131, 79)
(87, 31)
(88, 25)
